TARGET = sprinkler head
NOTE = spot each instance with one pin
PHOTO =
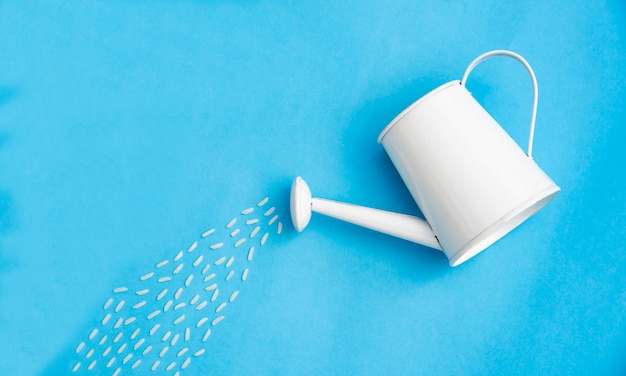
(300, 204)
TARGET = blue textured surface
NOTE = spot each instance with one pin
(128, 127)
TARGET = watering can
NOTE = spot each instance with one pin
(471, 181)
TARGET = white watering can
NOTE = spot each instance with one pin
(472, 182)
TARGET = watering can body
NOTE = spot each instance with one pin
(471, 181)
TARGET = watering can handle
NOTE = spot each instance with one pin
(512, 54)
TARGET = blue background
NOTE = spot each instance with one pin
(128, 127)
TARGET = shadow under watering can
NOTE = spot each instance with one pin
(472, 182)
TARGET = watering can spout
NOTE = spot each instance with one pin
(399, 225)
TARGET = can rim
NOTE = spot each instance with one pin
(414, 105)
(502, 227)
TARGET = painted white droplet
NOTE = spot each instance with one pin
(263, 202)
(179, 306)
(118, 337)
(230, 261)
(264, 238)
(129, 320)
(106, 351)
(215, 294)
(231, 223)
(117, 372)
(179, 319)
(110, 362)
(167, 305)
(119, 306)
(233, 296)
(146, 276)
(240, 242)
(89, 354)
(135, 333)
(201, 322)
(201, 351)
(269, 211)
(142, 292)
(192, 247)
(136, 364)
(155, 328)
(198, 261)
(147, 350)
(209, 277)
(204, 338)
(279, 229)
(118, 323)
(187, 334)
(127, 358)
(201, 305)
(80, 347)
(178, 268)
(106, 319)
(252, 221)
(93, 333)
(140, 304)
(208, 232)
(211, 287)
(220, 307)
(182, 352)
(121, 349)
(108, 303)
(206, 269)
(194, 299)
(216, 246)
(161, 294)
(76, 367)
(247, 211)
(166, 336)
(155, 365)
(178, 293)
(230, 275)
(250, 253)
(178, 256)
(254, 232)
(170, 366)
(118, 290)
(163, 351)
(164, 279)
(175, 339)
(188, 280)
(185, 363)
(153, 314)
(217, 320)
(162, 264)
(244, 275)
(138, 344)
(103, 340)
(271, 221)
(220, 261)
(234, 233)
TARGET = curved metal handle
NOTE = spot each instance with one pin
(512, 54)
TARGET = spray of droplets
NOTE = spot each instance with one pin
(162, 321)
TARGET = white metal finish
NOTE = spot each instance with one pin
(300, 204)
(533, 114)
(472, 182)
(402, 226)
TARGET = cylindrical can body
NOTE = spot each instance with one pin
(472, 182)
